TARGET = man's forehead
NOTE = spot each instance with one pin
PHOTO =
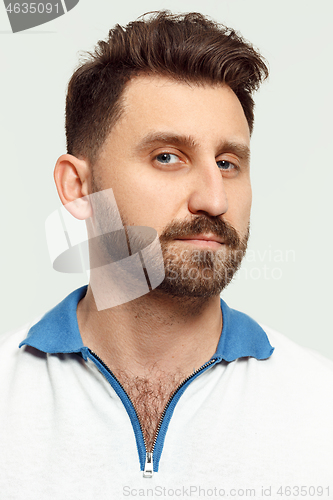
(143, 86)
(158, 109)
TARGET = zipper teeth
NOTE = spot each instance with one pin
(121, 385)
(173, 394)
(168, 402)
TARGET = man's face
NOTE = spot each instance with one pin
(178, 161)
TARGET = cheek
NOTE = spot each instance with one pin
(240, 201)
(245, 204)
(248, 198)
(151, 195)
(140, 204)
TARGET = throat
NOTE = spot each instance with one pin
(149, 396)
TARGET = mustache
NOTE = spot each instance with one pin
(201, 225)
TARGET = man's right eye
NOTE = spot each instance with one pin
(167, 158)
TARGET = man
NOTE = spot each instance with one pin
(172, 383)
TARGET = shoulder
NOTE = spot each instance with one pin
(10, 341)
(295, 362)
(288, 347)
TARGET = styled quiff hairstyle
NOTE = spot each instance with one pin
(186, 47)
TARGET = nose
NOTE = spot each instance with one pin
(208, 195)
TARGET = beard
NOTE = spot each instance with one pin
(189, 273)
(200, 273)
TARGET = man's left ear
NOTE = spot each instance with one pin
(72, 176)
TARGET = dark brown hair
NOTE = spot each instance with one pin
(187, 47)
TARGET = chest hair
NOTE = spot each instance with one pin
(149, 397)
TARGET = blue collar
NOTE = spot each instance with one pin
(58, 332)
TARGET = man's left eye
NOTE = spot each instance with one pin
(167, 158)
(226, 165)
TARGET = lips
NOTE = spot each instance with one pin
(203, 237)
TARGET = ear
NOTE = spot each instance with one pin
(72, 178)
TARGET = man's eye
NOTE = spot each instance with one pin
(167, 158)
(226, 165)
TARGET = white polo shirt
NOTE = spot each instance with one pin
(248, 423)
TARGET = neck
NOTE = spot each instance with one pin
(155, 332)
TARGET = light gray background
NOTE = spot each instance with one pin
(291, 158)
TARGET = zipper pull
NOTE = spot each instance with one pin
(148, 470)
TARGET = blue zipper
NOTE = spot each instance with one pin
(149, 460)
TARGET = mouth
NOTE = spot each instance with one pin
(203, 240)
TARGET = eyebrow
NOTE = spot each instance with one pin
(154, 139)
